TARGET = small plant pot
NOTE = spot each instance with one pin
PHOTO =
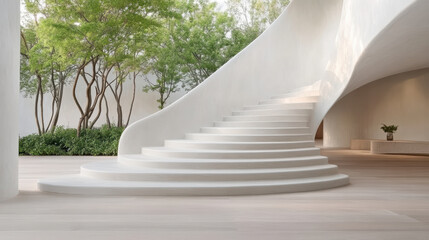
(389, 136)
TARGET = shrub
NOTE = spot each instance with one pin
(99, 141)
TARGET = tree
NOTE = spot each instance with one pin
(251, 18)
(92, 34)
(40, 71)
(202, 39)
(163, 63)
(255, 15)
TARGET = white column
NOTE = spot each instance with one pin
(9, 92)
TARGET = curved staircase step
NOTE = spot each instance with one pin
(248, 137)
(139, 160)
(184, 153)
(260, 130)
(76, 184)
(282, 106)
(265, 118)
(190, 144)
(259, 112)
(257, 124)
(112, 170)
(297, 99)
(312, 93)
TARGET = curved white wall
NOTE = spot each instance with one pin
(292, 53)
(9, 69)
(361, 35)
(400, 99)
(344, 44)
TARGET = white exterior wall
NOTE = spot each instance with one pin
(9, 69)
(144, 105)
(400, 100)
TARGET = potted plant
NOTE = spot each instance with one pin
(389, 130)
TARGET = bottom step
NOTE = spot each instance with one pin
(77, 184)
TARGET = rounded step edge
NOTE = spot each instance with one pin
(281, 106)
(262, 112)
(263, 118)
(191, 144)
(258, 124)
(112, 170)
(297, 95)
(311, 99)
(138, 160)
(248, 137)
(261, 130)
(228, 154)
(79, 185)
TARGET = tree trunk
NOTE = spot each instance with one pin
(132, 100)
(109, 125)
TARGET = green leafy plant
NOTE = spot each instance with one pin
(389, 128)
(97, 142)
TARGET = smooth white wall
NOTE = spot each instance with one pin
(401, 99)
(367, 28)
(9, 69)
(290, 54)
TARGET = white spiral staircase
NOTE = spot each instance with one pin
(261, 149)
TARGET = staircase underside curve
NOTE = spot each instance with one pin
(261, 149)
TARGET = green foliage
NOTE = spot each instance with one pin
(100, 141)
(389, 128)
(255, 15)
(178, 42)
(203, 41)
(187, 50)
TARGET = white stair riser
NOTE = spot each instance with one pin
(317, 184)
(218, 130)
(221, 164)
(291, 118)
(261, 124)
(265, 112)
(249, 138)
(236, 146)
(232, 155)
(280, 106)
(290, 100)
(298, 94)
(186, 177)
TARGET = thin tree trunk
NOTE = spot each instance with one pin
(54, 99)
(58, 103)
(132, 100)
(107, 112)
(42, 118)
(79, 126)
(36, 111)
(119, 107)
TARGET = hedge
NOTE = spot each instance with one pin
(96, 142)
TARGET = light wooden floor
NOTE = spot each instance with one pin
(388, 199)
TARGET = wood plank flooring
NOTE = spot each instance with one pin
(388, 198)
